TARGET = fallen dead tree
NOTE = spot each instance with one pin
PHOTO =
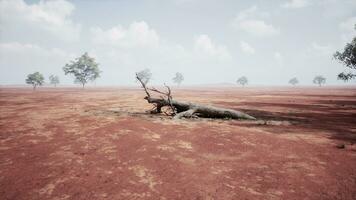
(186, 109)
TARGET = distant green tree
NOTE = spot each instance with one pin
(242, 81)
(54, 80)
(35, 79)
(178, 79)
(293, 81)
(145, 75)
(348, 58)
(319, 80)
(83, 68)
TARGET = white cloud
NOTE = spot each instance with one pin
(296, 4)
(33, 58)
(348, 24)
(348, 29)
(204, 45)
(138, 34)
(322, 50)
(278, 57)
(251, 12)
(247, 48)
(253, 22)
(179, 2)
(20, 48)
(50, 16)
(258, 28)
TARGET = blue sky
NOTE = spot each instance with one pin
(208, 41)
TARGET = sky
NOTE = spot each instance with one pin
(208, 41)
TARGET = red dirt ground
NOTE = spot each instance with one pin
(67, 143)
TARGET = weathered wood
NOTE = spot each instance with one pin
(200, 110)
(188, 114)
(187, 109)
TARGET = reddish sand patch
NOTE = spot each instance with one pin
(100, 144)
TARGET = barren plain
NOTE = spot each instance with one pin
(99, 143)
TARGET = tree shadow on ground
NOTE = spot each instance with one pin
(316, 118)
(339, 124)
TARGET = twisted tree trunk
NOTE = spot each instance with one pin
(187, 109)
